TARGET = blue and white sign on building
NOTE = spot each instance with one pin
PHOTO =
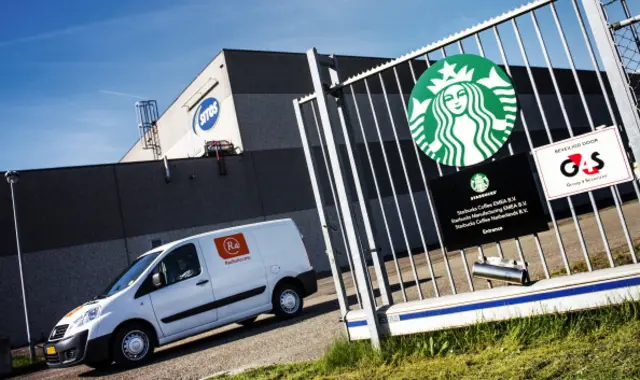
(206, 116)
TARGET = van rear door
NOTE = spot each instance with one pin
(237, 272)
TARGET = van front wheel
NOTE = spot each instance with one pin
(287, 301)
(132, 345)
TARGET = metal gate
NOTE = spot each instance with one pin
(370, 180)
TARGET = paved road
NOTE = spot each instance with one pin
(270, 341)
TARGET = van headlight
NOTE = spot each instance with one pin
(88, 316)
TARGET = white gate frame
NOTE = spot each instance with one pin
(366, 292)
(572, 292)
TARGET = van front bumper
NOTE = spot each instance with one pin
(309, 282)
(76, 349)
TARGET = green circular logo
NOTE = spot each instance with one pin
(479, 183)
(462, 110)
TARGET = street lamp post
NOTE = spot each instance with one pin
(12, 178)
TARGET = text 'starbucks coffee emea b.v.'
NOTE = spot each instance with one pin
(462, 110)
(489, 202)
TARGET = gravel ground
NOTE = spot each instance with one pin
(271, 341)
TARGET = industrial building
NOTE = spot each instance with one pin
(241, 162)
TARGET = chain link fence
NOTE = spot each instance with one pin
(625, 27)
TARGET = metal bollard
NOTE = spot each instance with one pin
(5, 356)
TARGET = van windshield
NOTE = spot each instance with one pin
(129, 275)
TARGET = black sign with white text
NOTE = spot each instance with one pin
(488, 203)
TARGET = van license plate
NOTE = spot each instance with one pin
(51, 350)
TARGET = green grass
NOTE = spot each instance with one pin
(595, 344)
(20, 361)
(621, 256)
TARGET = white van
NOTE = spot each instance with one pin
(185, 288)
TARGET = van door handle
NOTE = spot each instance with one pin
(202, 282)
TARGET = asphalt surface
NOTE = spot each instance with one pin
(267, 341)
(271, 341)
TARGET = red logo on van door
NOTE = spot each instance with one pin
(231, 246)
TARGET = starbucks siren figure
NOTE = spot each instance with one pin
(464, 124)
(463, 129)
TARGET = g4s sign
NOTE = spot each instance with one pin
(575, 163)
(583, 163)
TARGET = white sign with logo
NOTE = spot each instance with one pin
(583, 163)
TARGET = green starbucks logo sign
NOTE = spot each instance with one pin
(479, 183)
(462, 110)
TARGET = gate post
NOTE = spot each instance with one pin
(335, 268)
(615, 73)
(363, 197)
(359, 266)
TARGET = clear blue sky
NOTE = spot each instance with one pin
(70, 71)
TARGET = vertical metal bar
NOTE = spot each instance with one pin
(467, 273)
(614, 190)
(360, 267)
(563, 253)
(482, 258)
(413, 76)
(593, 60)
(565, 116)
(535, 236)
(393, 191)
(335, 201)
(409, 187)
(462, 254)
(379, 195)
(367, 272)
(623, 222)
(499, 248)
(550, 137)
(521, 254)
(460, 47)
(426, 188)
(363, 199)
(479, 42)
(335, 269)
(543, 260)
(615, 73)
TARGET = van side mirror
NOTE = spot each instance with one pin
(158, 280)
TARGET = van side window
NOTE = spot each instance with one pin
(181, 264)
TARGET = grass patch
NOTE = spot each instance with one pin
(600, 261)
(21, 361)
(596, 344)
